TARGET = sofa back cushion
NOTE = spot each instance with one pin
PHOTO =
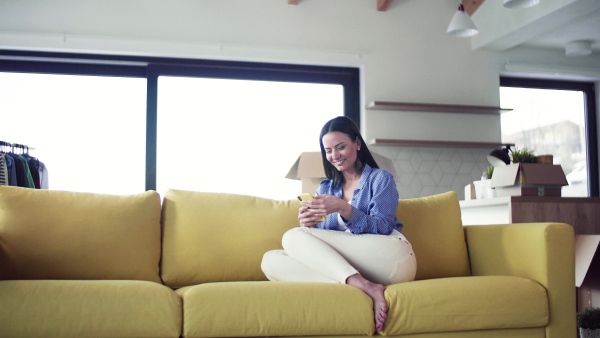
(433, 226)
(67, 235)
(215, 237)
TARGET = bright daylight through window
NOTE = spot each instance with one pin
(89, 131)
(238, 136)
(549, 122)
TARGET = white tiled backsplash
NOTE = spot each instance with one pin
(425, 171)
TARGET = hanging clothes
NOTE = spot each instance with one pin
(34, 169)
(3, 170)
(19, 168)
(23, 174)
(11, 169)
(43, 176)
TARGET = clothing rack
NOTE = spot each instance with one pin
(12, 146)
(18, 168)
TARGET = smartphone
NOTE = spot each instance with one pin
(306, 197)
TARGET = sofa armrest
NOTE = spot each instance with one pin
(543, 252)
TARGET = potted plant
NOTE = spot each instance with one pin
(489, 171)
(523, 155)
(588, 322)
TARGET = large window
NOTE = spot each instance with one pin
(122, 125)
(238, 136)
(556, 118)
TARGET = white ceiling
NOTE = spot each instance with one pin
(585, 27)
(550, 25)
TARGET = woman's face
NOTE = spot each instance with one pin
(340, 150)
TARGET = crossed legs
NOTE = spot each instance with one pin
(368, 262)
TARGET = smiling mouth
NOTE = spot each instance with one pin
(338, 163)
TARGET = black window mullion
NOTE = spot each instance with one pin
(151, 127)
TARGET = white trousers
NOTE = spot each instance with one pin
(317, 255)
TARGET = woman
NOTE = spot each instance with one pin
(359, 243)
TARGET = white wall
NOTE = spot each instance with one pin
(403, 53)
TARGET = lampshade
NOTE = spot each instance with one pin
(578, 48)
(461, 25)
(499, 157)
(520, 3)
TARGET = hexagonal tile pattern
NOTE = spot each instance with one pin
(426, 166)
(404, 167)
(426, 171)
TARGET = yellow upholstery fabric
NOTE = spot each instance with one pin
(512, 333)
(236, 309)
(50, 308)
(212, 237)
(542, 252)
(433, 226)
(67, 235)
(465, 304)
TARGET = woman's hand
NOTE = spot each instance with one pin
(312, 211)
(309, 217)
(328, 204)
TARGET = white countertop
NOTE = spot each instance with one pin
(485, 202)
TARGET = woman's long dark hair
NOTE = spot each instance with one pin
(348, 127)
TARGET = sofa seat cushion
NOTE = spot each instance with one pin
(218, 237)
(68, 235)
(465, 304)
(54, 308)
(236, 309)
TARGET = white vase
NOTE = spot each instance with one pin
(589, 333)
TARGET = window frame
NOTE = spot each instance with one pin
(588, 89)
(153, 67)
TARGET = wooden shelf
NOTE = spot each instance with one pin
(435, 108)
(419, 143)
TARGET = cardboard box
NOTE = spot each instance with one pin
(528, 179)
(587, 271)
(308, 168)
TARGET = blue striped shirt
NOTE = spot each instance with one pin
(374, 203)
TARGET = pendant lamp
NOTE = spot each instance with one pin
(520, 3)
(461, 25)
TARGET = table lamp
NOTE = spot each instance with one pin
(499, 157)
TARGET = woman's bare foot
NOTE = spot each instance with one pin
(375, 291)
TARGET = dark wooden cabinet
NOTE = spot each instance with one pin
(583, 213)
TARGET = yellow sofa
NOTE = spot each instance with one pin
(90, 265)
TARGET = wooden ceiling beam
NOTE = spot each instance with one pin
(471, 5)
(382, 5)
